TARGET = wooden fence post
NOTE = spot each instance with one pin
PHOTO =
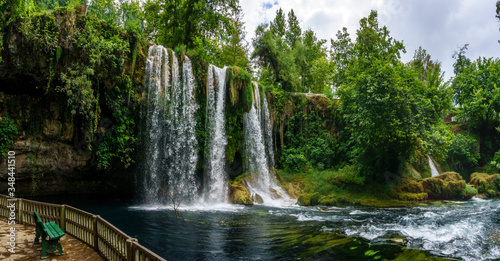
(19, 211)
(96, 235)
(130, 249)
(63, 218)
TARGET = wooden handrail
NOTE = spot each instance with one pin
(109, 241)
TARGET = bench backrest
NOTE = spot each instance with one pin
(37, 217)
(50, 229)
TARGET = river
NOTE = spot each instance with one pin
(468, 231)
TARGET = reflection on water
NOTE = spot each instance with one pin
(469, 231)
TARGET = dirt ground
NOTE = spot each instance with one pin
(26, 250)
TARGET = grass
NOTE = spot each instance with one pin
(342, 187)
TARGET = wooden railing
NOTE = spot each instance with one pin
(110, 242)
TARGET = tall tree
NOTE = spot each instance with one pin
(477, 92)
(341, 54)
(278, 25)
(235, 50)
(294, 31)
(184, 22)
(385, 105)
(295, 61)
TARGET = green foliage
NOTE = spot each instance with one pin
(494, 166)
(79, 90)
(240, 87)
(104, 56)
(290, 59)
(8, 135)
(119, 143)
(307, 142)
(478, 96)
(390, 112)
(235, 50)
(199, 25)
(295, 163)
(463, 155)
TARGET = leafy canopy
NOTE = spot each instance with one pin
(389, 110)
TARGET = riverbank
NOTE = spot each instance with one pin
(26, 250)
(345, 187)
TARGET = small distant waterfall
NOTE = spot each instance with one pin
(434, 170)
(171, 145)
(215, 174)
(259, 158)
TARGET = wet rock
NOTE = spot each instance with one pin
(274, 194)
(258, 199)
(238, 192)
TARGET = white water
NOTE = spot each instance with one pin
(215, 190)
(171, 144)
(434, 170)
(259, 160)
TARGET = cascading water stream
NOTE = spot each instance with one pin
(171, 144)
(156, 80)
(434, 170)
(215, 190)
(259, 158)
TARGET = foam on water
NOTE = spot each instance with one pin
(466, 232)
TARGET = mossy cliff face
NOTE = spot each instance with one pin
(306, 131)
(71, 84)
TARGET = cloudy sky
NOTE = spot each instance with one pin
(441, 27)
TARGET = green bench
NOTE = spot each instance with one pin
(50, 233)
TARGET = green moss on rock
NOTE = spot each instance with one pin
(486, 183)
(238, 192)
(448, 185)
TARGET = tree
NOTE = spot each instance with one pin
(235, 51)
(341, 54)
(293, 60)
(184, 22)
(384, 102)
(106, 10)
(278, 25)
(477, 94)
(294, 31)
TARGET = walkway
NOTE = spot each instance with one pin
(27, 251)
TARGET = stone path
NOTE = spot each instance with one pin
(27, 251)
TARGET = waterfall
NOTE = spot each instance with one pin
(434, 170)
(171, 145)
(215, 174)
(259, 158)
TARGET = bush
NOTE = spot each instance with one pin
(8, 134)
(296, 163)
(463, 155)
(494, 165)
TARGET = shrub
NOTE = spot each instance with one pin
(463, 154)
(8, 134)
(494, 165)
(296, 163)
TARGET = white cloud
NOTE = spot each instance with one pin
(438, 26)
